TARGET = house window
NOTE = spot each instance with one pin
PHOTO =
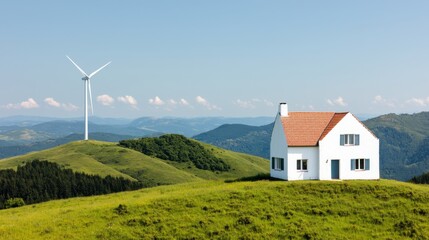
(277, 163)
(360, 164)
(301, 164)
(349, 139)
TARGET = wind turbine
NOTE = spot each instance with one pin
(87, 79)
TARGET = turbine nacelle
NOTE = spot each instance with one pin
(85, 78)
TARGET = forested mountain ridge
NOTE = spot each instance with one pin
(240, 138)
(404, 144)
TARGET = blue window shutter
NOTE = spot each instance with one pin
(342, 137)
(366, 164)
(282, 164)
(273, 164)
(357, 139)
(353, 164)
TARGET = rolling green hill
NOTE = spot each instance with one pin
(243, 210)
(103, 158)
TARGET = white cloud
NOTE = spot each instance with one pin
(10, 106)
(245, 104)
(105, 100)
(184, 102)
(156, 101)
(203, 102)
(268, 103)
(253, 103)
(378, 99)
(337, 102)
(29, 104)
(172, 102)
(69, 107)
(130, 100)
(422, 102)
(54, 103)
(51, 102)
(382, 101)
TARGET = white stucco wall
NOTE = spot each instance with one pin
(278, 148)
(309, 153)
(368, 148)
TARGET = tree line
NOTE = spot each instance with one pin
(39, 181)
(421, 179)
(177, 148)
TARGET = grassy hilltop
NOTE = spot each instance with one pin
(248, 210)
(103, 158)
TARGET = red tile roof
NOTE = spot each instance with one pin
(307, 128)
(335, 119)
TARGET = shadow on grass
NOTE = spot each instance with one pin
(259, 177)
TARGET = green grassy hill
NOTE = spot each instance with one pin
(242, 210)
(103, 158)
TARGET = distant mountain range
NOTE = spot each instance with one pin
(33, 120)
(193, 126)
(404, 142)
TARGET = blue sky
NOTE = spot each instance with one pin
(214, 58)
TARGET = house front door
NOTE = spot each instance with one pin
(335, 169)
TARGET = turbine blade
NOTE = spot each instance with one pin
(77, 66)
(90, 96)
(96, 71)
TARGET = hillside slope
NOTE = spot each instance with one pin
(245, 210)
(404, 144)
(103, 158)
(240, 138)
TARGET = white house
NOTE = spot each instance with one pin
(322, 145)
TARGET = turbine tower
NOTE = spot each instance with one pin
(87, 82)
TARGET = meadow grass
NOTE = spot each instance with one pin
(240, 210)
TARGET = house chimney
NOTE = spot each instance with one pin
(283, 111)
